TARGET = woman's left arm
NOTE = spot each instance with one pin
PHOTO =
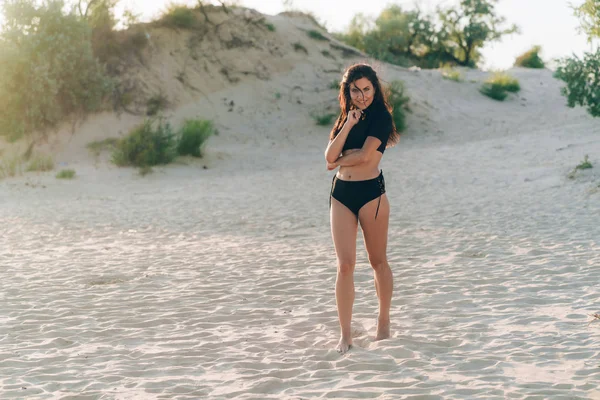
(358, 157)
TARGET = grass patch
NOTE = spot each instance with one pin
(334, 84)
(452, 74)
(314, 34)
(505, 81)
(498, 85)
(399, 102)
(327, 54)
(324, 119)
(530, 59)
(193, 136)
(149, 144)
(40, 163)
(10, 166)
(270, 26)
(101, 145)
(155, 104)
(66, 174)
(179, 16)
(585, 164)
(300, 47)
(493, 91)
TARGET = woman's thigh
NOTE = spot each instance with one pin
(344, 227)
(375, 230)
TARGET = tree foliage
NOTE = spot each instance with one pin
(582, 78)
(589, 16)
(582, 75)
(453, 35)
(47, 66)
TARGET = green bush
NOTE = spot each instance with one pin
(178, 16)
(193, 136)
(530, 59)
(494, 91)
(47, 67)
(585, 164)
(399, 102)
(66, 174)
(270, 26)
(300, 47)
(582, 77)
(151, 143)
(504, 81)
(314, 34)
(497, 86)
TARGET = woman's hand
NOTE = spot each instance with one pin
(331, 166)
(353, 117)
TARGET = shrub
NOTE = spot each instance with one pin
(155, 104)
(399, 102)
(193, 136)
(313, 34)
(146, 145)
(10, 166)
(530, 59)
(66, 174)
(497, 86)
(452, 74)
(493, 91)
(178, 16)
(324, 119)
(334, 84)
(582, 77)
(270, 26)
(585, 164)
(300, 47)
(505, 81)
(41, 163)
(47, 67)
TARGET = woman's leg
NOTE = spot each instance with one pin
(375, 232)
(344, 226)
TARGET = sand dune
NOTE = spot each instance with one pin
(218, 283)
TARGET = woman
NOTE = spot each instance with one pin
(361, 134)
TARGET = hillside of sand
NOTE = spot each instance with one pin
(217, 283)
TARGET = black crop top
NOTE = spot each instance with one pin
(377, 123)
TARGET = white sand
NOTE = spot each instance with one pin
(218, 283)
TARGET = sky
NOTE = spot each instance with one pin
(548, 23)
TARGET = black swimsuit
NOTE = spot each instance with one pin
(355, 194)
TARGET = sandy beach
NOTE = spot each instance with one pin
(218, 282)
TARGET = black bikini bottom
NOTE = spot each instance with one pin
(355, 194)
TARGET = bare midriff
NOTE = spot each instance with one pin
(361, 172)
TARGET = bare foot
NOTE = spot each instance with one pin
(383, 330)
(344, 345)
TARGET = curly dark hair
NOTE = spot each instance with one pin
(352, 74)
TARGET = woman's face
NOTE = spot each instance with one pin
(362, 93)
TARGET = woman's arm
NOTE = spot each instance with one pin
(335, 146)
(358, 157)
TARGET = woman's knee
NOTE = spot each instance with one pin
(378, 264)
(346, 267)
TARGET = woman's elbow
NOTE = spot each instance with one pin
(330, 157)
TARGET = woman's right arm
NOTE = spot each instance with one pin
(335, 146)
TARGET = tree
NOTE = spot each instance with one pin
(470, 26)
(47, 67)
(582, 75)
(589, 15)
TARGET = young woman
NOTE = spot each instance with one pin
(361, 134)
